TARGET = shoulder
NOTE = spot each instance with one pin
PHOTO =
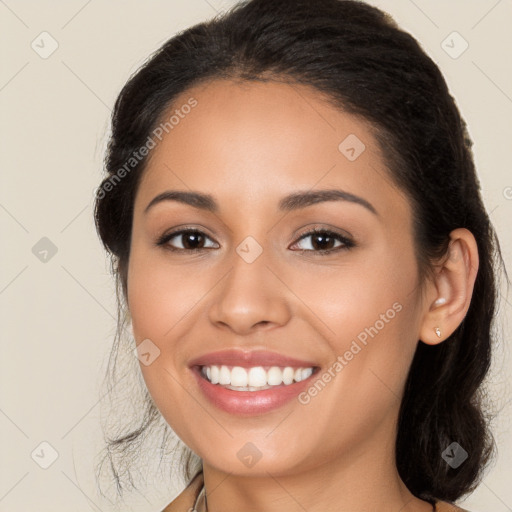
(186, 499)
(444, 506)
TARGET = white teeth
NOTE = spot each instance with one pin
(274, 376)
(224, 375)
(255, 378)
(305, 373)
(288, 375)
(238, 377)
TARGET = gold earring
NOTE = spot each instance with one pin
(438, 332)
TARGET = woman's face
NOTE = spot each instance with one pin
(259, 286)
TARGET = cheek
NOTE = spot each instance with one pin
(373, 319)
(376, 296)
(160, 295)
(162, 300)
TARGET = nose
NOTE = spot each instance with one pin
(250, 298)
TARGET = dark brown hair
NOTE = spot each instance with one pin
(356, 56)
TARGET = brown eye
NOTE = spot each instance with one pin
(192, 240)
(185, 240)
(323, 241)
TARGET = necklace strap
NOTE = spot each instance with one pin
(200, 503)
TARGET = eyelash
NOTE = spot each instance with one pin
(347, 244)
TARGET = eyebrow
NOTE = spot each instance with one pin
(294, 201)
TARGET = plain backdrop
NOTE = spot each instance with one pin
(57, 302)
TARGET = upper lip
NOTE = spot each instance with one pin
(234, 357)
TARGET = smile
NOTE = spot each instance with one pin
(251, 382)
(256, 378)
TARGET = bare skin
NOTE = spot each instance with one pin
(248, 146)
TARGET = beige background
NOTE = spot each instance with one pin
(57, 317)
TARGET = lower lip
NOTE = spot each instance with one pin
(249, 402)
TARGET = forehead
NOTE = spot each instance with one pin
(257, 141)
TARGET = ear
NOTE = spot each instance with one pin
(449, 296)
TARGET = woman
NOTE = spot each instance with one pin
(299, 239)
